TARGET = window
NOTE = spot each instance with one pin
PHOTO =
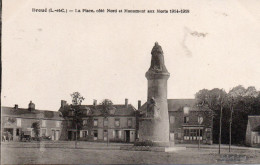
(179, 135)
(30, 131)
(186, 134)
(193, 134)
(172, 119)
(105, 122)
(17, 132)
(85, 122)
(43, 123)
(199, 134)
(69, 123)
(43, 132)
(19, 122)
(105, 135)
(117, 134)
(129, 122)
(95, 122)
(186, 119)
(84, 133)
(200, 119)
(117, 122)
(95, 133)
(57, 123)
(186, 110)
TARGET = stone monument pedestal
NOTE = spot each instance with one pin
(152, 148)
(154, 121)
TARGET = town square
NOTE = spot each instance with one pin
(130, 82)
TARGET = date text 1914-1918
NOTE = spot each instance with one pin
(170, 11)
(179, 11)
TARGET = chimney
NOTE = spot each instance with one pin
(95, 102)
(63, 103)
(126, 103)
(139, 104)
(31, 106)
(16, 106)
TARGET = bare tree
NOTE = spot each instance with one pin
(36, 129)
(77, 117)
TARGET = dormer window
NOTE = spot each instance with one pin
(186, 110)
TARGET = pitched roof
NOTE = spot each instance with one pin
(254, 122)
(177, 104)
(23, 112)
(116, 110)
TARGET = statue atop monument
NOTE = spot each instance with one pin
(157, 62)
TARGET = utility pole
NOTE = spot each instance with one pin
(200, 120)
(220, 124)
(221, 102)
(230, 123)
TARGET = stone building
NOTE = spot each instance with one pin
(17, 121)
(113, 123)
(253, 131)
(188, 122)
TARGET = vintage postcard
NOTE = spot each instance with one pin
(130, 82)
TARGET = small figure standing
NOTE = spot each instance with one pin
(153, 110)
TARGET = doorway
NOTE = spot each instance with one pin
(57, 135)
(8, 132)
(71, 135)
(127, 136)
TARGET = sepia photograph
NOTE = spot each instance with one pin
(130, 82)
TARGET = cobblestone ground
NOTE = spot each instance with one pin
(101, 154)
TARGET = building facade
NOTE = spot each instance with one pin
(17, 122)
(188, 122)
(112, 123)
(253, 131)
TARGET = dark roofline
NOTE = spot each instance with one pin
(28, 109)
(123, 106)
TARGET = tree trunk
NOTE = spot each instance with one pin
(76, 137)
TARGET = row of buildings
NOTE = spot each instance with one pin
(117, 123)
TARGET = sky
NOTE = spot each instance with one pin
(48, 56)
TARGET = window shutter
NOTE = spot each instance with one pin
(114, 132)
(119, 132)
(80, 134)
(18, 122)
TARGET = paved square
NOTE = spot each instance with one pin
(90, 153)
